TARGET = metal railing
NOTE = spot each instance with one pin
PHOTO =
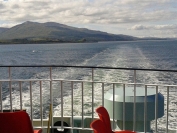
(16, 85)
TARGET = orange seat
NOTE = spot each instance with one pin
(16, 122)
(104, 117)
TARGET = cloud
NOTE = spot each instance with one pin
(98, 11)
(154, 27)
(168, 30)
(166, 27)
(140, 15)
(7, 25)
(138, 27)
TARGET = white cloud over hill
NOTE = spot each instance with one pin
(115, 16)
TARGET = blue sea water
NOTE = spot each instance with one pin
(157, 54)
(139, 54)
(154, 54)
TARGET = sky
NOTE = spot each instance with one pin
(139, 18)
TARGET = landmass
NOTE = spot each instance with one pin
(51, 32)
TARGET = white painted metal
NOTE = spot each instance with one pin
(1, 95)
(134, 100)
(70, 119)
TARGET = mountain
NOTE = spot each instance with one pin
(33, 32)
(3, 29)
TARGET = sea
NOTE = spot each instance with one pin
(149, 54)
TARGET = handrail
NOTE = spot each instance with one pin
(97, 67)
(91, 81)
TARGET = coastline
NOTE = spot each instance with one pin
(50, 41)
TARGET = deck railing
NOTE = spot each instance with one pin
(38, 85)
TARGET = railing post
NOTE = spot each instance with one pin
(92, 93)
(51, 98)
(10, 88)
(156, 109)
(1, 95)
(41, 103)
(82, 125)
(113, 106)
(20, 85)
(72, 103)
(61, 104)
(134, 105)
(123, 106)
(102, 94)
(167, 109)
(145, 110)
(31, 102)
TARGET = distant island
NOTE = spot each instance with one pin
(51, 32)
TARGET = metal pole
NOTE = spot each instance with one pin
(167, 109)
(156, 109)
(1, 96)
(123, 106)
(10, 89)
(51, 98)
(134, 105)
(92, 93)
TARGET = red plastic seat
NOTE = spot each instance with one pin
(16, 122)
(105, 118)
(98, 126)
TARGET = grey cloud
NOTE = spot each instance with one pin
(82, 11)
(35, 6)
(165, 27)
(94, 12)
(26, 17)
(138, 27)
(15, 6)
(1, 6)
(154, 27)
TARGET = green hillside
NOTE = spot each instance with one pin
(33, 32)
